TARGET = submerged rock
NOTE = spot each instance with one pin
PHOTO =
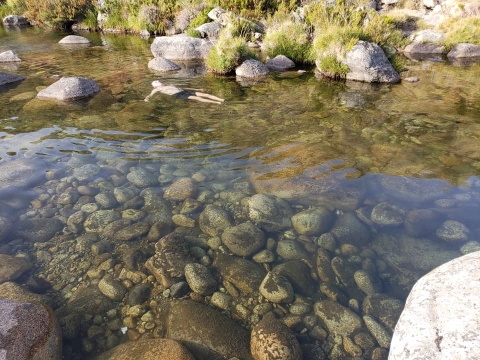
(453, 231)
(163, 65)
(148, 349)
(38, 229)
(12, 267)
(338, 319)
(7, 78)
(441, 319)
(409, 259)
(29, 331)
(367, 62)
(75, 39)
(272, 339)
(333, 190)
(70, 89)
(9, 56)
(244, 239)
(269, 212)
(180, 47)
(207, 333)
(277, 289)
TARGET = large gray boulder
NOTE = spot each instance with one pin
(28, 331)
(368, 63)
(70, 89)
(15, 20)
(180, 47)
(7, 78)
(464, 50)
(441, 319)
(9, 56)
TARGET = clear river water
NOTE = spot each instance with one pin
(395, 167)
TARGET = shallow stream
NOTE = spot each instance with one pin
(395, 167)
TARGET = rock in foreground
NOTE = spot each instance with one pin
(441, 319)
(163, 65)
(367, 62)
(252, 69)
(70, 89)
(148, 349)
(37, 338)
(463, 50)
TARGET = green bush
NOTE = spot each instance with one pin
(194, 33)
(57, 13)
(9, 7)
(90, 20)
(463, 30)
(201, 18)
(290, 39)
(227, 54)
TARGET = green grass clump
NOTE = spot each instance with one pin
(201, 18)
(290, 39)
(332, 67)
(90, 20)
(12, 7)
(194, 33)
(461, 30)
(227, 54)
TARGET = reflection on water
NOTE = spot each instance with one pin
(381, 186)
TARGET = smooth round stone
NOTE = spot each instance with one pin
(386, 214)
(453, 231)
(132, 232)
(86, 172)
(299, 309)
(222, 300)
(280, 63)
(132, 214)
(98, 220)
(200, 279)
(123, 194)
(327, 241)
(112, 288)
(244, 239)
(75, 39)
(264, 256)
(338, 319)
(163, 65)
(470, 247)
(272, 339)
(269, 212)
(277, 289)
(214, 220)
(252, 69)
(106, 200)
(142, 178)
(12, 267)
(312, 222)
(367, 283)
(89, 208)
(378, 331)
(291, 250)
(183, 220)
(180, 189)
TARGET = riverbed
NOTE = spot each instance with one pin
(392, 171)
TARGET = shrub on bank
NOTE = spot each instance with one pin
(337, 28)
(227, 53)
(461, 30)
(285, 36)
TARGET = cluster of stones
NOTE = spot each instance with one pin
(65, 89)
(137, 252)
